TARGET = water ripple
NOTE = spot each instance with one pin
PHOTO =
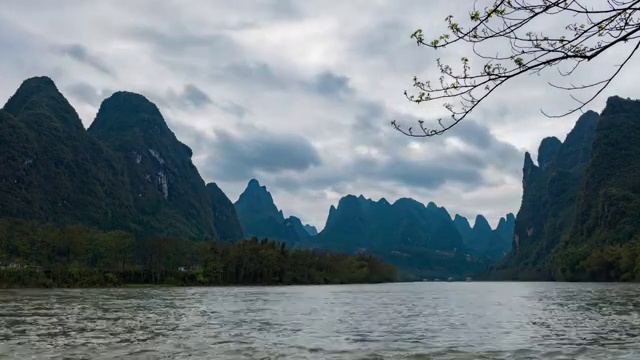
(393, 321)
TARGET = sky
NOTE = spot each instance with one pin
(298, 94)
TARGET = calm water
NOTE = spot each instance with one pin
(394, 321)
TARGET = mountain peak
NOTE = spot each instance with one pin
(255, 189)
(528, 161)
(481, 223)
(586, 120)
(619, 105)
(253, 183)
(40, 94)
(576, 149)
(29, 88)
(259, 216)
(311, 230)
(462, 221)
(125, 110)
(257, 211)
(548, 150)
(432, 206)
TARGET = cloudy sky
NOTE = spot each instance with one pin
(297, 94)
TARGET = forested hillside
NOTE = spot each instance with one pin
(580, 212)
(127, 172)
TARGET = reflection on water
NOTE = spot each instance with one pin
(395, 321)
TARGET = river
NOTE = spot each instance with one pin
(468, 320)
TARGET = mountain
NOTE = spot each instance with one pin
(168, 193)
(603, 243)
(358, 222)
(464, 228)
(261, 218)
(550, 192)
(127, 172)
(422, 241)
(293, 230)
(52, 170)
(506, 227)
(484, 241)
(311, 230)
(225, 218)
(488, 242)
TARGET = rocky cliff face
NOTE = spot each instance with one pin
(550, 190)
(168, 193)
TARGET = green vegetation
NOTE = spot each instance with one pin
(549, 194)
(169, 196)
(52, 170)
(603, 241)
(47, 255)
(583, 204)
(120, 203)
(611, 263)
(225, 218)
(127, 172)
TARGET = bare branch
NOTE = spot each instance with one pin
(591, 32)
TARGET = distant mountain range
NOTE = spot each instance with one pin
(425, 240)
(579, 217)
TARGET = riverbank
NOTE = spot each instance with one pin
(59, 256)
(29, 278)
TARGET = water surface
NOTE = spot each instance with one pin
(391, 321)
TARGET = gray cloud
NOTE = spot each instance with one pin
(87, 93)
(431, 175)
(330, 84)
(194, 96)
(487, 148)
(253, 74)
(239, 157)
(233, 109)
(430, 165)
(81, 54)
(181, 39)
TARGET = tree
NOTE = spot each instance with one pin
(590, 31)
